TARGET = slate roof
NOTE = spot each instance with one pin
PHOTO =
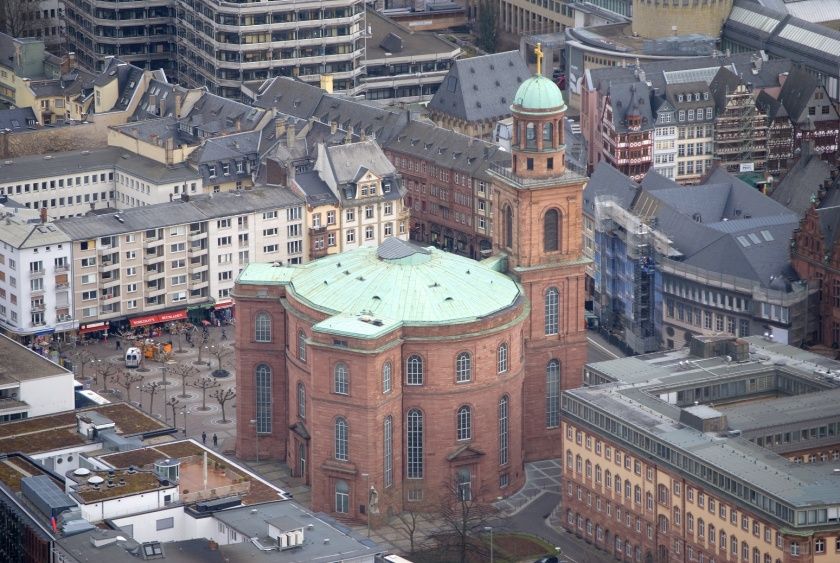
(802, 183)
(128, 77)
(17, 119)
(158, 91)
(346, 160)
(20, 234)
(481, 88)
(630, 99)
(198, 208)
(771, 106)
(608, 181)
(724, 82)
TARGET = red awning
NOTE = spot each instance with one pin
(223, 305)
(160, 318)
(93, 327)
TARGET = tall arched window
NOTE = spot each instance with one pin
(548, 134)
(388, 451)
(464, 423)
(530, 136)
(301, 346)
(463, 367)
(414, 444)
(551, 230)
(508, 235)
(414, 370)
(552, 394)
(502, 358)
(262, 376)
(341, 379)
(262, 327)
(342, 497)
(386, 377)
(301, 400)
(552, 306)
(341, 439)
(504, 434)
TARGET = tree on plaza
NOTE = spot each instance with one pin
(128, 338)
(174, 404)
(184, 371)
(203, 338)
(463, 516)
(126, 380)
(151, 388)
(408, 521)
(222, 396)
(81, 358)
(221, 354)
(179, 330)
(204, 383)
(105, 370)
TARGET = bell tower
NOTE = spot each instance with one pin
(539, 227)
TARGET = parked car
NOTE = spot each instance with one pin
(548, 559)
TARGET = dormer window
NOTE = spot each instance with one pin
(240, 167)
(386, 187)
(705, 95)
(226, 169)
(680, 98)
(211, 170)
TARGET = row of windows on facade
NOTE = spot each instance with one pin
(56, 183)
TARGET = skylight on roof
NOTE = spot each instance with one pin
(744, 242)
(767, 236)
(754, 238)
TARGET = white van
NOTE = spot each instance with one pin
(132, 358)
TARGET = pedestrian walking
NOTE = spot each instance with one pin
(224, 334)
(118, 345)
(215, 441)
(204, 438)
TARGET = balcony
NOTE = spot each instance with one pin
(39, 273)
(108, 298)
(196, 236)
(37, 307)
(199, 284)
(150, 259)
(154, 242)
(62, 268)
(63, 286)
(194, 250)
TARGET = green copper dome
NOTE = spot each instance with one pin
(539, 94)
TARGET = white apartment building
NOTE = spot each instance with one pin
(695, 111)
(31, 385)
(160, 259)
(69, 184)
(665, 141)
(35, 296)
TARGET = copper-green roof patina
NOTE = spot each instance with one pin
(538, 94)
(369, 291)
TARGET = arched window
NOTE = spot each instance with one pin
(414, 370)
(341, 379)
(712, 534)
(504, 433)
(301, 400)
(342, 497)
(262, 376)
(386, 377)
(722, 537)
(388, 451)
(464, 423)
(341, 439)
(508, 235)
(502, 357)
(548, 135)
(463, 367)
(301, 346)
(414, 444)
(552, 394)
(530, 136)
(552, 306)
(262, 327)
(551, 230)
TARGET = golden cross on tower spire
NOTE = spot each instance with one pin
(538, 52)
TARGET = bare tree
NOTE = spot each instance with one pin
(204, 383)
(81, 358)
(106, 370)
(128, 338)
(463, 515)
(222, 396)
(174, 404)
(151, 388)
(17, 17)
(184, 371)
(203, 338)
(408, 522)
(126, 380)
(180, 330)
(221, 354)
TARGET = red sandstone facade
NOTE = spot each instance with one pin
(542, 335)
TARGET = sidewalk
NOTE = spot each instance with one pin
(540, 477)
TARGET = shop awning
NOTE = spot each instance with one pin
(159, 318)
(93, 327)
(223, 304)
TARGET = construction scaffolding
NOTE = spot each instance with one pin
(741, 131)
(627, 249)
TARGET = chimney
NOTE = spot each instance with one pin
(348, 135)
(279, 128)
(333, 127)
(161, 107)
(43, 215)
(179, 102)
(170, 150)
(290, 136)
(237, 124)
(782, 78)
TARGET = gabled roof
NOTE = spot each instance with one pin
(771, 106)
(797, 91)
(17, 119)
(725, 82)
(801, 184)
(630, 100)
(481, 88)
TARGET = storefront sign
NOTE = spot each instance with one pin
(159, 318)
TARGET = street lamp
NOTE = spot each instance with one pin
(163, 369)
(257, 434)
(184, 412)
(490, 529)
